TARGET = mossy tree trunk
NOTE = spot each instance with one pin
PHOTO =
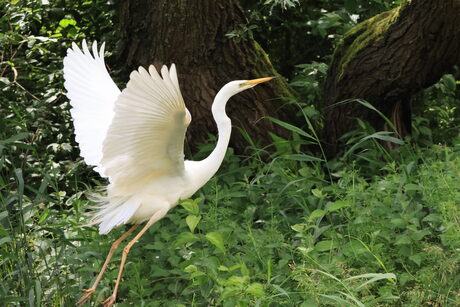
(192, 34)
(385, 60)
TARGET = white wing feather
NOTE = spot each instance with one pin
(92, 95)
(146, 138)
(134, 137)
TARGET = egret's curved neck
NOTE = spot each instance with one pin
(224, 127)
(202, 171)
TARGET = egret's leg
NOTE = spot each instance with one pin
(155, 218)
(98, 279)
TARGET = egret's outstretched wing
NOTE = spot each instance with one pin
(92, 95)
(146, 138)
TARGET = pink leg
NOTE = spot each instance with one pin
(98, 279)
(155, 218)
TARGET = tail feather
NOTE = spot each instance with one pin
(114, 211)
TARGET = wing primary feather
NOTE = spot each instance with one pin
(85, 48)
(134, 137)
(170, 91)
(170, 86)
(173, 74)
(92, 94)
(95, 51)
(157, 81)
(156, 85)
(148, 129)
(101, 53)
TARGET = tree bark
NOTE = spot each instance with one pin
(192, 34)
(387, 59)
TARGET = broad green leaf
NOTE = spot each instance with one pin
(234, 267)
(338, 205)
(185, 237)
(403, 239)
(417, 258)
(318, 193)
(191, 205)
(229, 292)
(190, 268)
(449, 81)
(298, 227)
(433, 217)
(398, 222)
(316, 214)
(305, 250)
(5, 240)
(354, 248)
(192, 221)
(222, 268)
(420, 234)
(256, 289)
(236, 280)
(325, 245)
(65, 22)
(244, 269)
(216, 239)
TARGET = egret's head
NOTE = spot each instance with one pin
(233, 88)
(237, 86)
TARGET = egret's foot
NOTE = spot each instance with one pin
(110, 301)
(85, 297)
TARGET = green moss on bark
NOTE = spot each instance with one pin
(363, 34)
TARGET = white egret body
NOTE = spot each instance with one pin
(135, 138)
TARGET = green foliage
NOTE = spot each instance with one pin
(437, 112)
(296, 32)
(40, 172)
(286, 228)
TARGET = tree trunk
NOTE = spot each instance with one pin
(192, 34)
(385, 60)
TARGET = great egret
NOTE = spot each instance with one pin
(135, 138)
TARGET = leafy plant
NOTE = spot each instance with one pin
(283, 227)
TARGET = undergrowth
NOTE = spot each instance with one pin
(258, 234)
(277, 227)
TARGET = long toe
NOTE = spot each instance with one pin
(85, 297)
(109, 301)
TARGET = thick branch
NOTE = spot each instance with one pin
(388, 58)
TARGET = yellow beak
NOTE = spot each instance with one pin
(257, 81)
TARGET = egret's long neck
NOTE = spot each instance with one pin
(202, 171)
(224, 127)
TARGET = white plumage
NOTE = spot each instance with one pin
(92, 94)
(135, 138)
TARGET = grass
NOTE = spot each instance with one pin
(258, 234)
(285, 228)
